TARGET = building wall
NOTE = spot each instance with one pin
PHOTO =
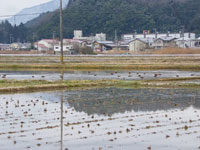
(188, 43)
(78, 34)
(100, 37)
(42, 48)
(158, 44)
(169, 43)
(137, 46)
(57, 48)
(48, 45)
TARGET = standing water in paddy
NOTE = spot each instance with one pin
(102, 118)
(96, 75)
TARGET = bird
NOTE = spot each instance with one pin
(4, 76)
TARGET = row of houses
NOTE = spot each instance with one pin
(15, 46)
(98, 43)
(78, 41)
(144, 42)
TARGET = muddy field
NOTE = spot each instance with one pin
(101, 118)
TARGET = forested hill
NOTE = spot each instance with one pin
(125, 16)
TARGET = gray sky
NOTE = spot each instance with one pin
(11, 7)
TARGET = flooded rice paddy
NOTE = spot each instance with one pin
(101, 118)
(96, 75)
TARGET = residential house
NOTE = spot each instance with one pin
(15, 46)
(99, 46)
(74, 42)
(187, 43)
(26, 46)
(137, 45)
(46, 44)
(184, 42)
(123, 45)
(4, 46)
(164, 42)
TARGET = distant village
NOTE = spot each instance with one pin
(129, 42)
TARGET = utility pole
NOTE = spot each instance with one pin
(61, 33)
(116, 40)
(182, 30)
(15, 20)
(61, 121)
(155, 31)
(33, 38)
(135, 33)
(37, 40)
(10, 38)
(53, 39)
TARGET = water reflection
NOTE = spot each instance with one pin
(61, 75)
(108, 101)
(61, 122)
(103, 118)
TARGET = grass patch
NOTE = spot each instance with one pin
(100, 66)
(37, 85)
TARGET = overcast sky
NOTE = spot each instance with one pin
(11, 7)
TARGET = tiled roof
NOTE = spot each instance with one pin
(167, 38)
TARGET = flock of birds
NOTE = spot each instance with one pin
(130, 74)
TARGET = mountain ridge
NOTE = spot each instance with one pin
(37, 10)
(94, 16)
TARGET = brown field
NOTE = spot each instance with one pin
(177, 51)
(103, 62)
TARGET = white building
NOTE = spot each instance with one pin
(128, 37)
(100, 37)
(78, 34)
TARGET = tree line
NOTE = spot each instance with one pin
(127, 16)
(10, 34)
